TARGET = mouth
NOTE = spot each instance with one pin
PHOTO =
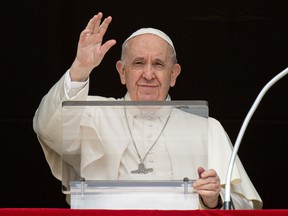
(145, 85)
(148, 88)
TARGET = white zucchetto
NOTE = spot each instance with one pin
(153, 31)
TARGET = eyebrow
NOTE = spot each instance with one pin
(143, 58)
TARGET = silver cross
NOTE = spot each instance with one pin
(142, 169)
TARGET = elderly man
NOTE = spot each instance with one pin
(148, 67)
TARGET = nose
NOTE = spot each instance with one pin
(149, 72)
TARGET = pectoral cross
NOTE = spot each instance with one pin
(142, 169)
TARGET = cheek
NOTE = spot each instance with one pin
(133, 77)
(171, 80)
(165, 81)
(131, 81)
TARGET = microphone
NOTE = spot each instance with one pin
(227, 199)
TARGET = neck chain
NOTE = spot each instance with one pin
(141, 166)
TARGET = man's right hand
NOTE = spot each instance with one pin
(91, 49)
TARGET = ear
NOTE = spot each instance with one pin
(174, 74)
(121, 71)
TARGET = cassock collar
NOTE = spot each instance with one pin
(128, 98)
(162, 112)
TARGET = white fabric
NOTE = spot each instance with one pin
(153, 31)
(47, 124)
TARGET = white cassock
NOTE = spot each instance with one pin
(105, 152)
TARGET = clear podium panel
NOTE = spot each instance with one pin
(136, 194)
(124, 150)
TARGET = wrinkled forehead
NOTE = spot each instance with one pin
(148, 46)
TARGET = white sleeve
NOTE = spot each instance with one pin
(237, 201)
(73, 88)
(47, 122)
(240, 202)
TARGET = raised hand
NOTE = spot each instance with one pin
(91, 49)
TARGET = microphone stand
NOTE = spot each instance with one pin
(227, 199)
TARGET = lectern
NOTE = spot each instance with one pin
(133, 155)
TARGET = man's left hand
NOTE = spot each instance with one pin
(208, 187)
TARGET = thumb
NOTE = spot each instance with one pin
(200, 170)
(107, 45)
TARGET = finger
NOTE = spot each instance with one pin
(107, 45)
(200, 170)
(98, 34)
(94, 23)
(207, 183)
(208, 173)
(207, 177)
(104, 26)
(199, 182)
(211, 184)
(208, 193)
